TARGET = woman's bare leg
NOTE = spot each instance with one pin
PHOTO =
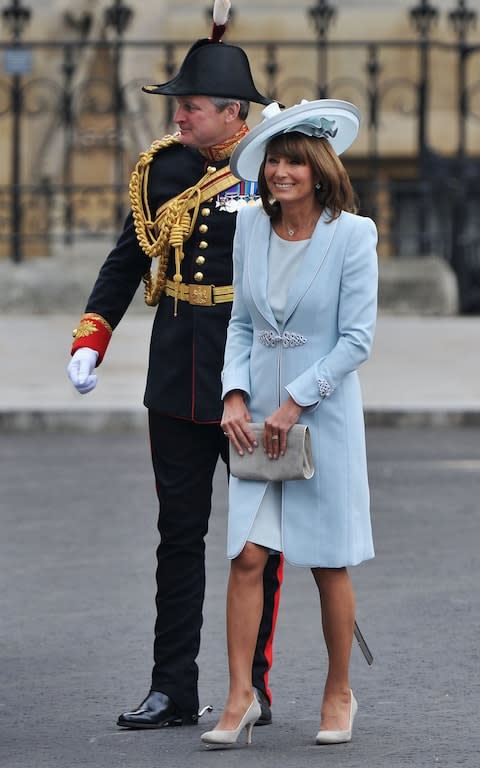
(244, 613)
(337, 602)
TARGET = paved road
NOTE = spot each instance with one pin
(423, 371)
(76, 607)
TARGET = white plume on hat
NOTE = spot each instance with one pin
(221, 9)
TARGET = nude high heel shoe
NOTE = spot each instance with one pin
(219, 737)
(338, 737)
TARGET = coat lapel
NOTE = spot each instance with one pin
(315, 254)
(312, 263)
(258, 242)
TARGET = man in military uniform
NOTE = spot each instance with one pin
(178, 238)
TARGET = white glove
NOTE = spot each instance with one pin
(80, 370)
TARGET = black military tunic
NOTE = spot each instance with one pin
(186, 351)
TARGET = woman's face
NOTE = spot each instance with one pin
(289, 180)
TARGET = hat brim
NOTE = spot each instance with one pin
(212, 69)
(248, 155)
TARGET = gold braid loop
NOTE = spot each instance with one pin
(152, 235)
(172, 226)
(149, 241)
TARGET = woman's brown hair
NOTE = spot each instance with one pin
(336, 192)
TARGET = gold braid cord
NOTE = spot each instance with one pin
(153, 235)
(173, 223)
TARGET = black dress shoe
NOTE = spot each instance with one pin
(157, 711)
(266, 716)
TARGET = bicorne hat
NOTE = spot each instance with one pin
(332, 119)
(213, 68)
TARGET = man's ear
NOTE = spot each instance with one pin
(231, 111)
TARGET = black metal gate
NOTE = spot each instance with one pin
(90, 122)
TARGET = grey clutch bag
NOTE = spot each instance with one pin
(296, 464)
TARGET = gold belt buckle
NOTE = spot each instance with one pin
(201, 295)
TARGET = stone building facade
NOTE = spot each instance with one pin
(355, 55)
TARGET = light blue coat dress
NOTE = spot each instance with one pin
(328, 329)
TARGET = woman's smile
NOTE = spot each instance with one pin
(289, 179)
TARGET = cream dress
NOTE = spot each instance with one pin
(284, 259)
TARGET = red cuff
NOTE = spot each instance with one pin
(94, 332)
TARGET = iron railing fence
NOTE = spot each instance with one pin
(70, 138)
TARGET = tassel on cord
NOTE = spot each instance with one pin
(179, 232)
(221, 9)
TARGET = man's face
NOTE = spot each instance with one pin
(200, 124)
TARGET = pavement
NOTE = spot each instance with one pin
(77, 558)
(423, 371)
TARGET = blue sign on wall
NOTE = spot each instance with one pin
(17, 61)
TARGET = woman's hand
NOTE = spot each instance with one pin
(277, 427)
(235, 422)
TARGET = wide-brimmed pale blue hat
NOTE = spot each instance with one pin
(335, 120)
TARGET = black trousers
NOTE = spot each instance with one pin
(184, 457)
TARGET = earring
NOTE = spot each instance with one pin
(318, 185)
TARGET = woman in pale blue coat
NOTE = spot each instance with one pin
(303, 319)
